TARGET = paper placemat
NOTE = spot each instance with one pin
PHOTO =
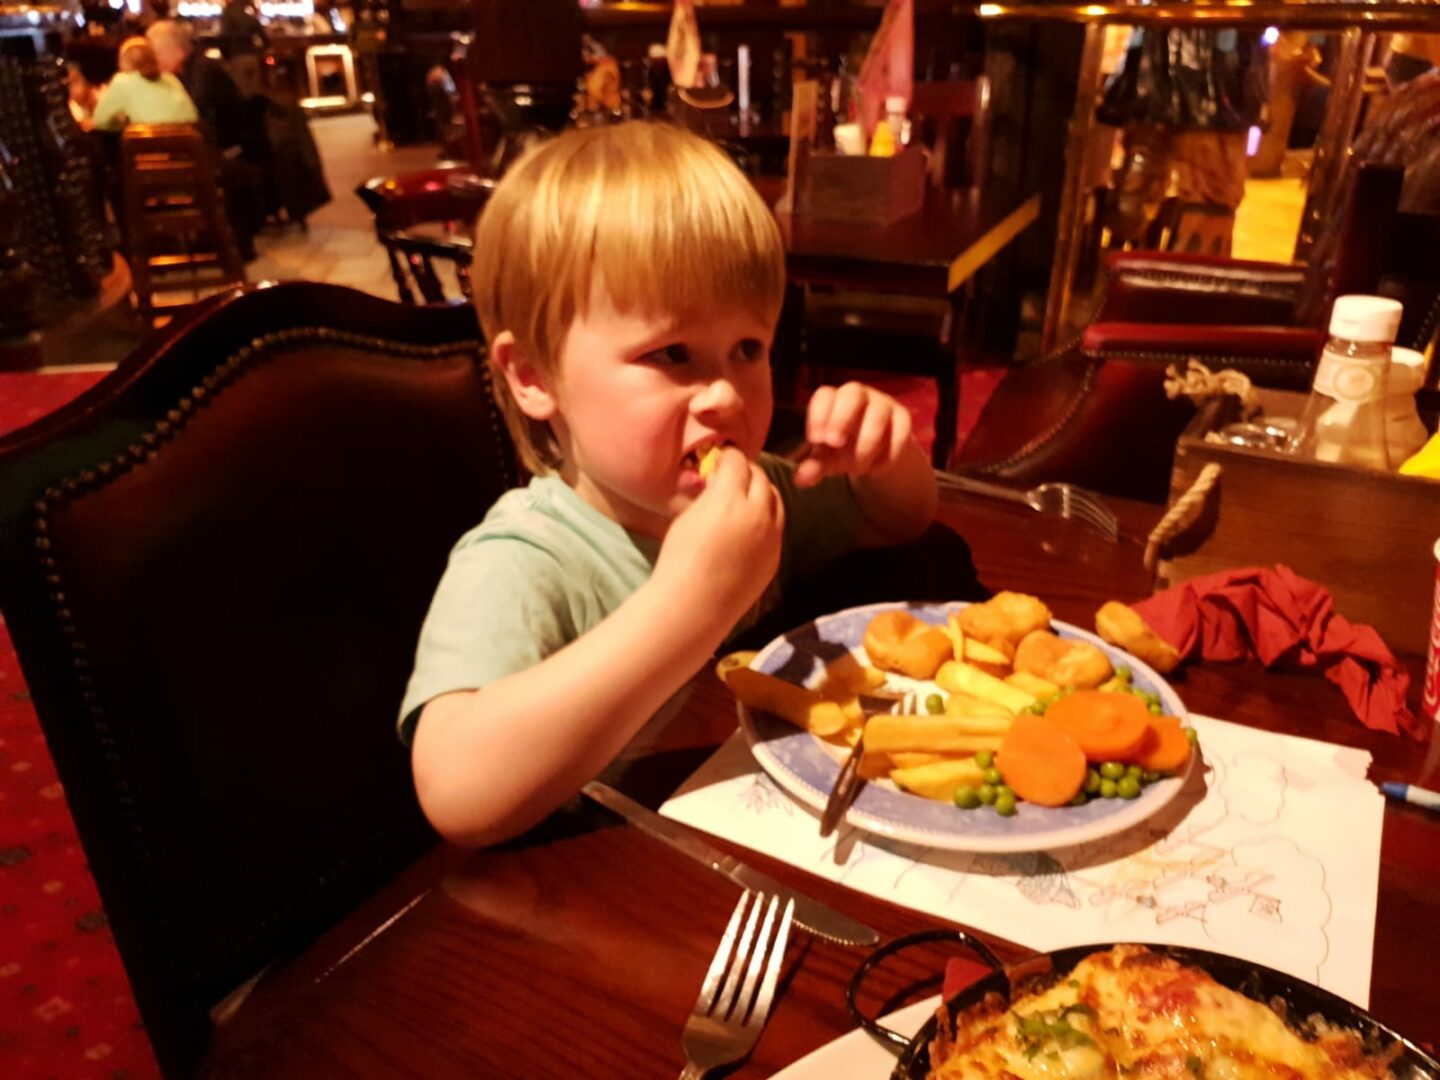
(1272, 855)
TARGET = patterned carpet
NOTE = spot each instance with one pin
(65, 1004)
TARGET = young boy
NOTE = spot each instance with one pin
(628, 280)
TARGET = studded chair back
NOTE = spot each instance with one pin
(214, 565)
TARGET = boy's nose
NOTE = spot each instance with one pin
(718, 396)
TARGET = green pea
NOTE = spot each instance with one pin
(1149, 697)
(1092, 782)
(1134, 770)
(934, 704)
(1112, 770)
(1038, 709)
(985, 758)
(1123, 673)
(992, 776)
(1107, 789)
(1080, 799)
(1155, 709)
(1192, 735)
(1005, 804)
(986, 794)
(1001, 790)
(1149, 776)
(1127, 787)
(966, 797)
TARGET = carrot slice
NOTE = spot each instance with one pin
(1166, 749)
(1107, 726)
(1040, 762)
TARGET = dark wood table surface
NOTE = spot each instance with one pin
(929, 253)
(578, 949)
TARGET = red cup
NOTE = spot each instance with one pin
(1430, 698)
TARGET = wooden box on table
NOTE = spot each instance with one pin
(860, 190)
(1367, 536)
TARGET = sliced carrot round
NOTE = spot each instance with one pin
(1166, 749)
(1041, 763)
(1107, 726)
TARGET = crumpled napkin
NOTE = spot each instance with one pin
(1276, 616)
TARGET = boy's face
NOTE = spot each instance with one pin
(639, 399)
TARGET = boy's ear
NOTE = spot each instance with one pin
(530, 389)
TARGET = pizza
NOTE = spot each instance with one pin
(1130, 1012)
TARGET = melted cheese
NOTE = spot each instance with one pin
(1133, 1013)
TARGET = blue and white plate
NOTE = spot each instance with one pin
(806, 767)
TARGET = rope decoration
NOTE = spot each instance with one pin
(1199, 383)
(1182, 513)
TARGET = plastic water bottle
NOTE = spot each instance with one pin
(1344, 417)
(1405, 432)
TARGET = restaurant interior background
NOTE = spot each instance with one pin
(383, 121)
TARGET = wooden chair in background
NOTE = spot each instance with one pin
(423, 217)
(176, 233)
(214, 565)
(913, 335)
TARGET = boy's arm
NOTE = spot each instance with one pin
(899, 503)
(490, 763)
(865, 434)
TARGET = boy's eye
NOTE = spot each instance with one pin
(670, 354)
(750, 349)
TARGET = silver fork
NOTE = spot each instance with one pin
(1065, 500)
(739, 987)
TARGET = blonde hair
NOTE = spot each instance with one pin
(658, 217)
(136, 55)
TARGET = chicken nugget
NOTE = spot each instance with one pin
(1120, 625)
(1066, 663)
(1004, 619)
(898, 641)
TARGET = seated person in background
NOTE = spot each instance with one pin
(235, 127)
(628, 280)
(83, 94)
(141, 93)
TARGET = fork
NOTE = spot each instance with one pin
(1065, 500)
(739, 987)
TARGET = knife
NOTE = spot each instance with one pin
(814, 916)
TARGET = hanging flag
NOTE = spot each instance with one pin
(889, 68)
(682, 48)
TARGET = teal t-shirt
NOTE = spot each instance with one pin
(545, 566)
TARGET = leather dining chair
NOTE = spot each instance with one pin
(214, 565)
(1094, 412)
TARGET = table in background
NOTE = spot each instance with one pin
(578, 949)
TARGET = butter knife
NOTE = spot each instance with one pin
(814, 916)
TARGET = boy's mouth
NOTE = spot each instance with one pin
(695, 456)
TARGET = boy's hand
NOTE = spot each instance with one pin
(852, 429)
(722, 550)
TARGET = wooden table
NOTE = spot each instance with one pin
(577, 950)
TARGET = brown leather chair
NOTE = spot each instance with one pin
(214, 566)
(1095, 413)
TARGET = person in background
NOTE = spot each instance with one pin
(628, 279)
(243, 42)
(83, 95)
(141, 93)
(233, 126)
(1411, 55)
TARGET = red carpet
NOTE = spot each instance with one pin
(65, 1004)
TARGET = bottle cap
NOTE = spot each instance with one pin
(895, 103)
(1407, 371)
(1365, 318)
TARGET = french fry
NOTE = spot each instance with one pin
(939, 779)
(958, 678)
(1032, 684)
(908, 759)
(955, 634)
(845, 677)
(875, 766)
(803, 708)
(931, 734)
(986, 657)
(965, 705)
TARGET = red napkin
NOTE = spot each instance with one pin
(1275, 615)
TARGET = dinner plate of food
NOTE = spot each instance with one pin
(987, 727)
